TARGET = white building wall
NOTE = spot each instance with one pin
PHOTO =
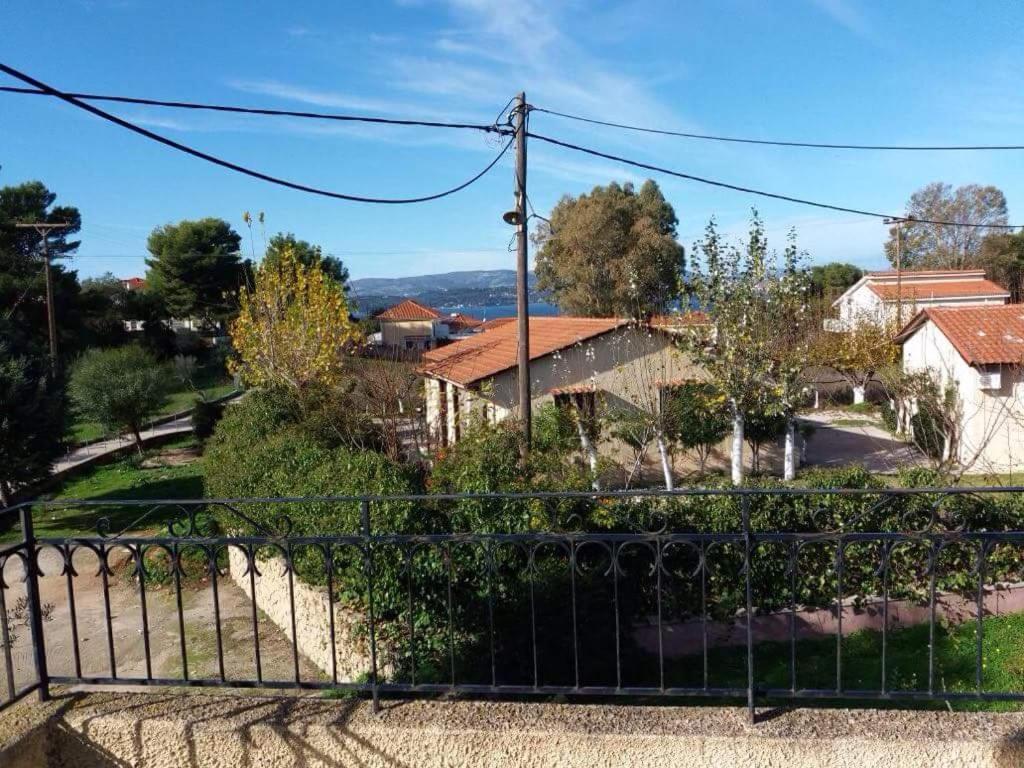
(860, 304)
(992, 429)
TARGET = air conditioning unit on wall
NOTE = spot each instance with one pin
(990, 380)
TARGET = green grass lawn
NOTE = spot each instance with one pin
(123, 479)
(906, 668)
(180, 399)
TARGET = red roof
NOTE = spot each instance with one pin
(940, 289)
(495, 350)
(680, 320)
(410, 309)
(910, 274)
(982, 335)
(458, 322)
(487, 325)
(133, 283)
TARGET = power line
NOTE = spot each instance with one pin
(759, 192)
(241, 168)
(346, 254)
(773, 143)
(492, 128)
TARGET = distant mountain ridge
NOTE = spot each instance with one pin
(475, 279)
(473, 288)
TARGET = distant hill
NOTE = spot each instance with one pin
(411, 286)
(481, 287)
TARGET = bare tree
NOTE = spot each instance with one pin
(934, 246)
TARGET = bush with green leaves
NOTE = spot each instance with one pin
(119, 387)
(701, 418)
(205, 415)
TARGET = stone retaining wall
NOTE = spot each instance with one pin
(172, 729)
(312, 620)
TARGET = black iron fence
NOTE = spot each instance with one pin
(759, 595)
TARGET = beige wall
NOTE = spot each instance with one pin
(393, 334)
(187, 730)
(624, 366)
(992, 429)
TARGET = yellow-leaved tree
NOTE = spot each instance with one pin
(294, 327)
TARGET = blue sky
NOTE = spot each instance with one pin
(818, 70)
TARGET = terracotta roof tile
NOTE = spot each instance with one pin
(680, 320)
(982, 335)
(410, 309)
(911, 274)
(495, 350)
(458, 322)
(940, 289)
(487, 325)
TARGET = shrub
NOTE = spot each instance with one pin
(889, 416)
(205, 415)
(928, 431)
(487, 460)
(120, 387)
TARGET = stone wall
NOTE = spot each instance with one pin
(312, 620)
(171, 729)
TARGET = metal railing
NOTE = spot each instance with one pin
(752, 594)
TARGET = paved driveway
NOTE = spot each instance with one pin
(877, 450)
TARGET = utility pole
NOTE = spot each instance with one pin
(899, 267)
(519, 218)
(43, 230)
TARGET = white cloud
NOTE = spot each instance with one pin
(847, 16)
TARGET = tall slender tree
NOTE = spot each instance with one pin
(757, 312)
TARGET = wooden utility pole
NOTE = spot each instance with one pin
(43, 230)
(522, 270)
(899, 268)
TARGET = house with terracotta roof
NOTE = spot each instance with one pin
(410, 325)
(878, 296)
(977, 353)
(589, 363)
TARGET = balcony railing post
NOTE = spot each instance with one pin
(364, 514)
(35, 614)
(748, 576)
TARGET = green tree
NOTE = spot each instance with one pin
(612, 252)
(196, 269)
(759, 429)
(308, 255)
(1002, 257)
(753, 347)
(933, 246)
(22, 281)
(830, 280)
(119, 388)
(31, 418)
(103, 302)
(701, 418)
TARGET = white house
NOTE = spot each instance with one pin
(877, 295)
(979, 351)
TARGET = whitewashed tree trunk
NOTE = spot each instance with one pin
(666, 464)
(789, 456)
(858, 395)
(817, 399)
(947, 449)
(590, 451)
(737, 446)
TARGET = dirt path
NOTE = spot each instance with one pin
(126, 627)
